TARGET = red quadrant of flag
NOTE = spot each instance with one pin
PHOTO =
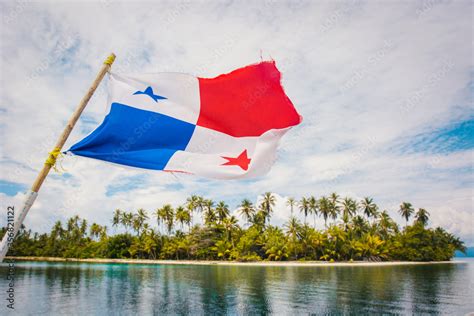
(246, 102)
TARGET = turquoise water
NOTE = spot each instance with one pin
(119, 289)
(469, 253)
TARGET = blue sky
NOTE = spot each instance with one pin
(385, 91)
(457, 136)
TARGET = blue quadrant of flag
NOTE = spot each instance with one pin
(146, 139)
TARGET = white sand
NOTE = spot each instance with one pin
(236, 263)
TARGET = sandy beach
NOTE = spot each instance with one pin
(230, 263)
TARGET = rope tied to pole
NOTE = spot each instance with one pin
(53, 157)
(110, 60)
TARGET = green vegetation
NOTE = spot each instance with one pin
(354, 231)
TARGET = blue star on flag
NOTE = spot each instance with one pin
(149, 92)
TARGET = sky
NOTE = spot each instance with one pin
(385, 90)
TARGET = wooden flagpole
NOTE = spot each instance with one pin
(12, 229)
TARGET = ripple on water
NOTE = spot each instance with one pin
(98, 289)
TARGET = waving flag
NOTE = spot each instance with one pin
(225, 127)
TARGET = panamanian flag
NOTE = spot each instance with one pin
(226, 127)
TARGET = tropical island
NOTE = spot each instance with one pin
(354, 231)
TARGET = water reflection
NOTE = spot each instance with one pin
(114, 289)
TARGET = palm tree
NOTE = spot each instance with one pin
(201, 203)
(165, 215)
(267, 205)
(159, 218)
(208, 212)
(145, 228)
(117, 217)
(291, 202)
(192, 204)
(334, 205)
(57, 232)
(386, 224)
(304, 207)
(95, 230)
(222, 248)
(278, 249)
(127, 220)
(345, 220)
(313, 207)
(187, 218)
(168, 216)
(334, 208)
(325, 208)
(139, 219)
(247, 210)
(406, 210)
(150, 243)
(182, 216)
(230, 223)
(334, 198)
(72, 227)
(334, 211)
(258, 219)
(142, 215)
(136, 224)
(292, 229)
(222, 210)
(359, 226)
(349, 207)
(368, 207)
(83, 228)
(372, 247)
(422, 216)
(103, 233)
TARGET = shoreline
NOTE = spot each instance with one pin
(234, 263)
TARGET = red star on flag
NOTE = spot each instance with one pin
(242, 161)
